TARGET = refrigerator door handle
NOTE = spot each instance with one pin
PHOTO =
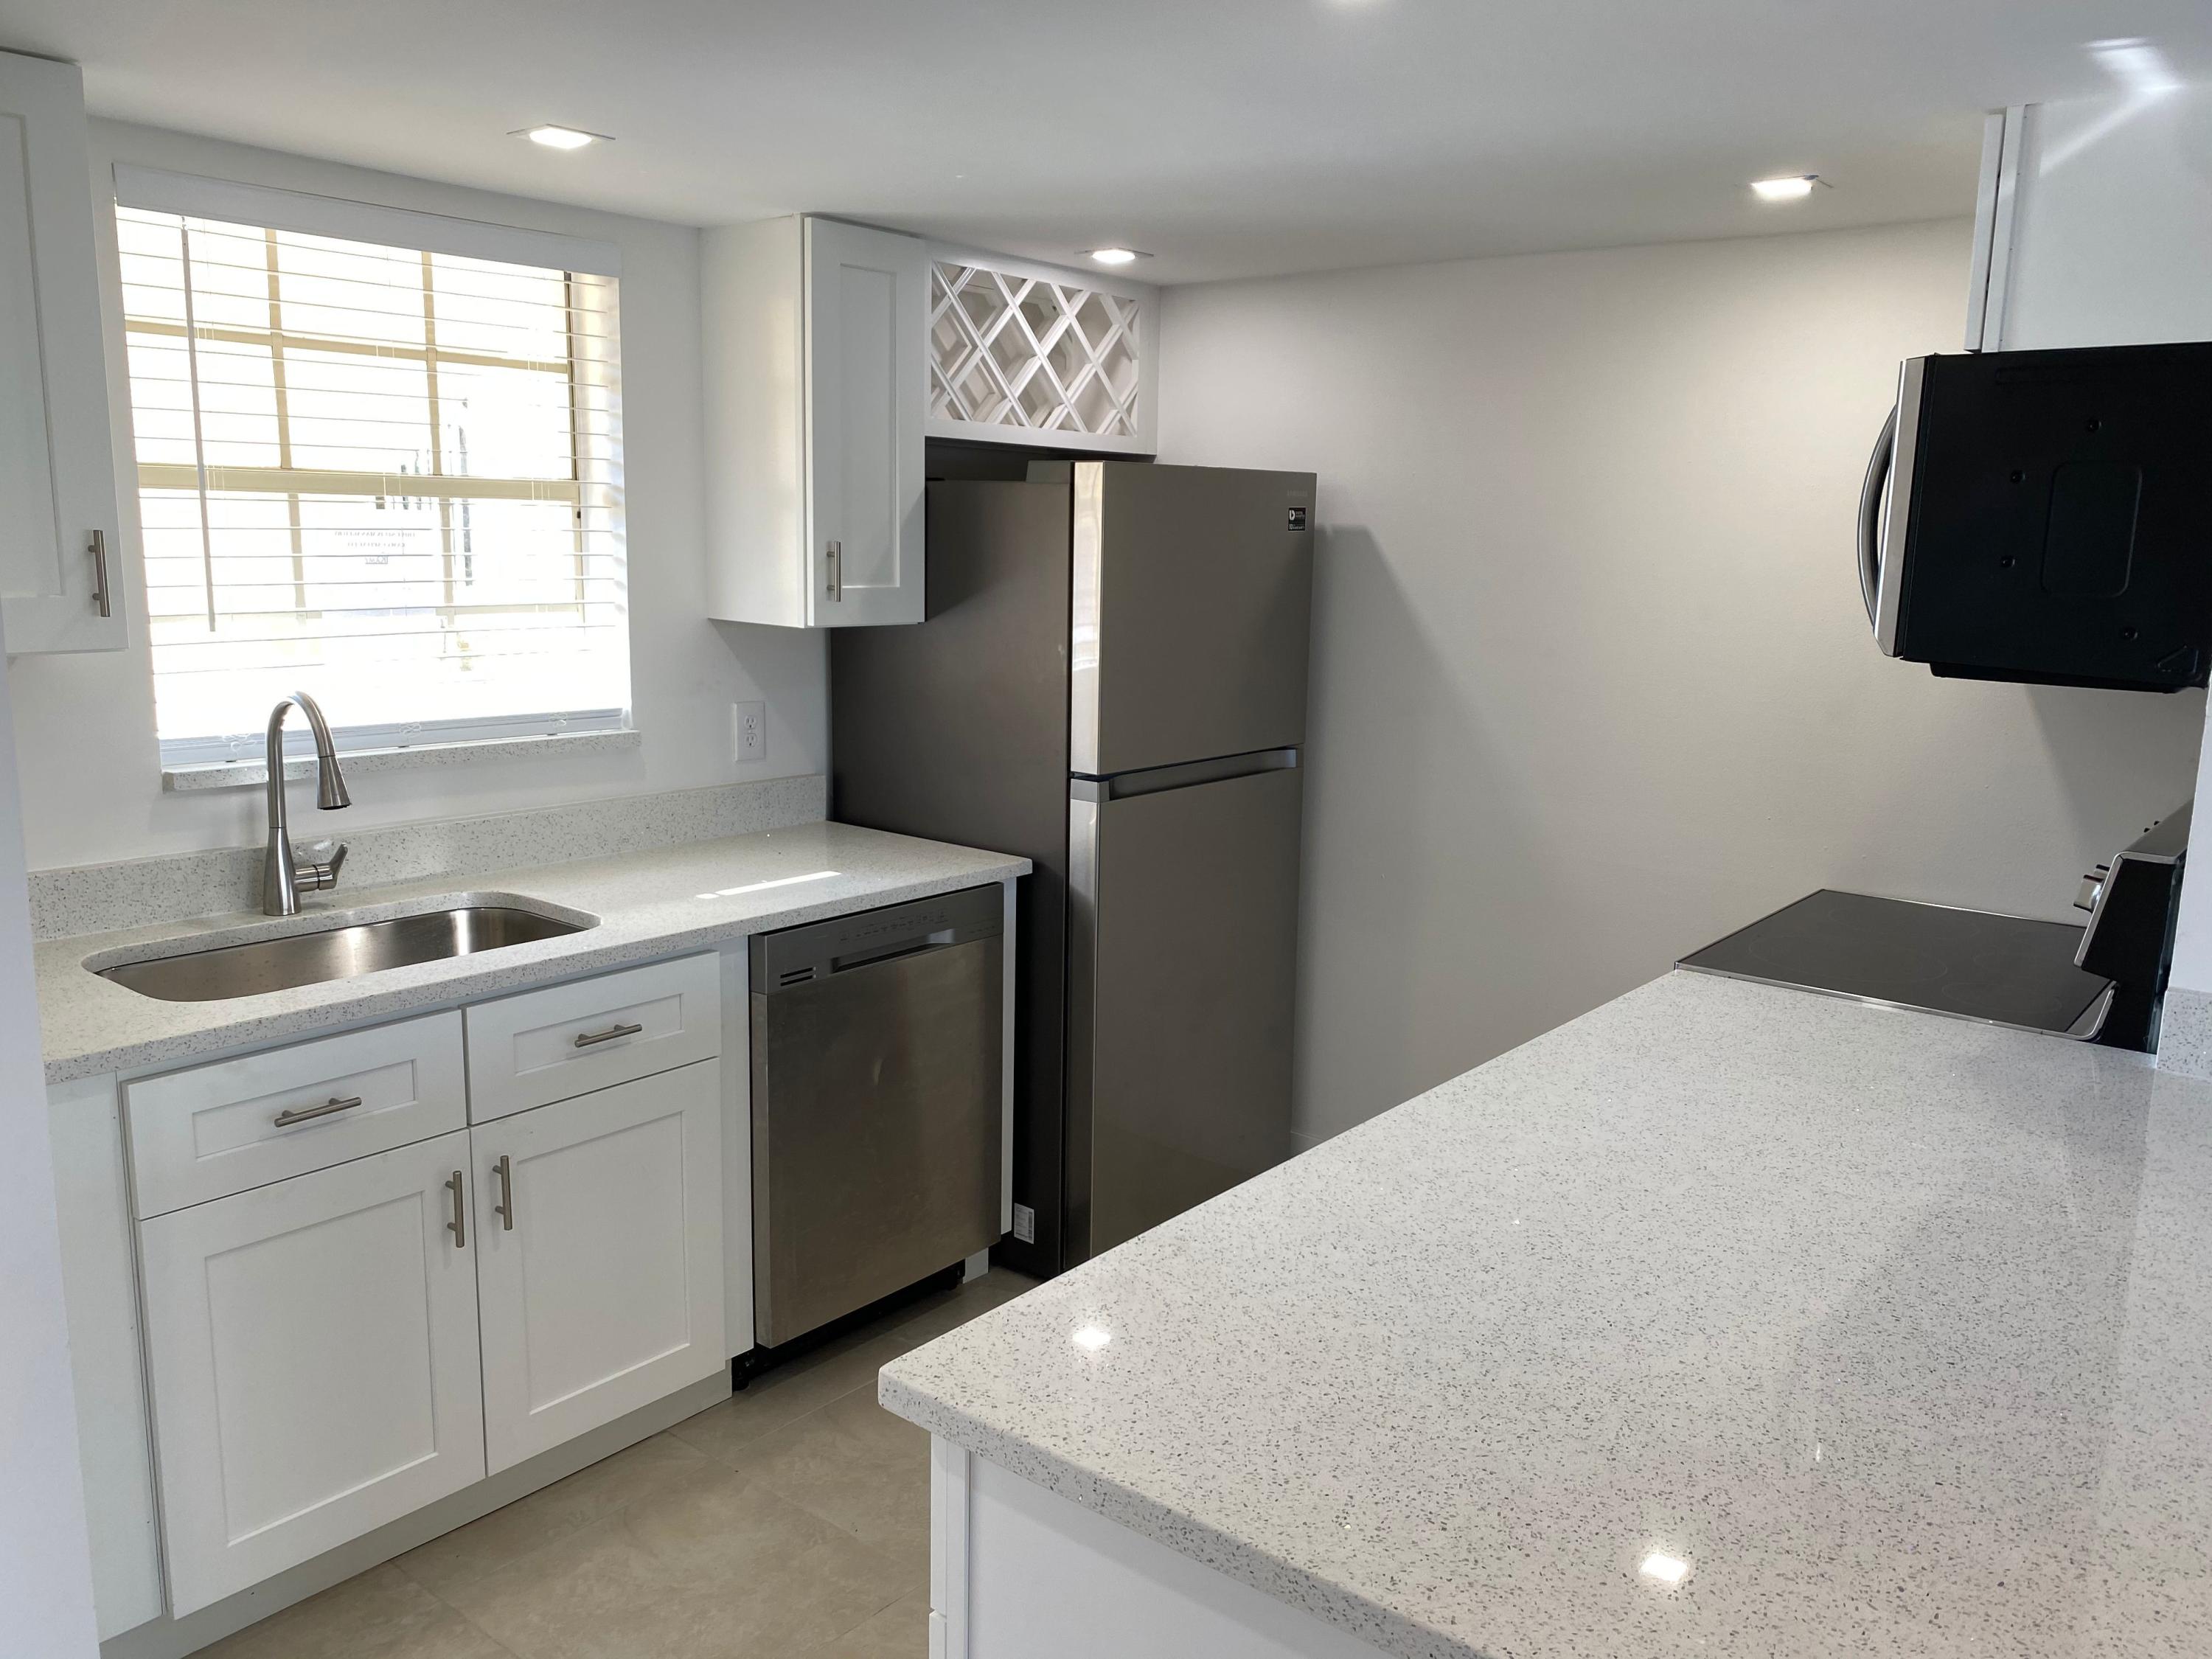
(1186, 775)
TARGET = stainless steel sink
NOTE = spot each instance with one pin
(294, 959)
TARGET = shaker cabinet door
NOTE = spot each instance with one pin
(600, 1261)
(60, 588)
(867, 308)
(312, 1350)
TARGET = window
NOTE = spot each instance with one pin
(388, 474)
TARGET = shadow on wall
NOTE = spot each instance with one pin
(1488, 854)
(2076, 728)
(1396, 988)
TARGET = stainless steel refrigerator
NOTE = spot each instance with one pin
(1111, 681)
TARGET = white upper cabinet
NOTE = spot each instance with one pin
(60, 587)
(2094, 224)
(816, 366)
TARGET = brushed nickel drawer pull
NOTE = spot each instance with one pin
(456, 1184)
(505, 1208)
(287, 1118)
(589, 1039)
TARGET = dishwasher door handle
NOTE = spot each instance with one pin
(936, 941)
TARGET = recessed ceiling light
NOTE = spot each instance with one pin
(1114, 256)
(1784, 190)
(558, 138)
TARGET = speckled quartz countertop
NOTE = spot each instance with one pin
(1896, 1329)
(647, 905)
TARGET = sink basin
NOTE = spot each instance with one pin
(295, 959)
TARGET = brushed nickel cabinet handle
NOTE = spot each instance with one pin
(457, 1226)
(590, 1039)
(286, 1119)
(505, 1208)
(833, 556)
(101, 600)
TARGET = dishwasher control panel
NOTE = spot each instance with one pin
(816, 949)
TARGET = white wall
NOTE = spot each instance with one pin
(45, 1563)
(1592, 685)
(84, 724)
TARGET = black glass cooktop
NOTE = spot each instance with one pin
(1966, 963)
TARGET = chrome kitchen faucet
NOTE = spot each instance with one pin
(283, 878)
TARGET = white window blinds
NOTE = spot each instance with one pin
(389, 475)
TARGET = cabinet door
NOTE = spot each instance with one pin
(313, 1348)
(600, 1265)
(867, 308)
(59, 578)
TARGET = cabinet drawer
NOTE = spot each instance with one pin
(569, 1040)
(220, 1129)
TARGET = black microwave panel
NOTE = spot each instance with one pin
(2060, 525)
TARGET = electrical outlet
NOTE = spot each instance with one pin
(749, 721)
(1024, 1223)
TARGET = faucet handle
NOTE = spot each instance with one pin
(322, 875)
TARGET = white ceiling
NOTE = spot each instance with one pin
(1231, 137)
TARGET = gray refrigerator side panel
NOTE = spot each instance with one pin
(1193, 603)
(956, 729)
(1183, 972)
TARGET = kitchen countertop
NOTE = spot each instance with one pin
(1897, 1329)
(649, 905)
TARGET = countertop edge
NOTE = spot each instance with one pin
(1334, 1604)
(570, 956)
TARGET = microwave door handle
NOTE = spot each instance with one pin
(1870, 548)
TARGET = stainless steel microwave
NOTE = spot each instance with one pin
(2046, 517)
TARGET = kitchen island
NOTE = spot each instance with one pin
(1726, 1318)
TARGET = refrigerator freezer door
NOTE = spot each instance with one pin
(1194, 591)
(1182, 967)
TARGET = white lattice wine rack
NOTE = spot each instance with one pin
(1029, 358)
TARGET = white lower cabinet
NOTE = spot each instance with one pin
(314, 1354)
(600, 1256)
(339, 1331)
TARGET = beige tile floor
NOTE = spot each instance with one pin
(792, 1520)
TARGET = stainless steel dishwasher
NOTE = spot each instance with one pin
(875, 1108)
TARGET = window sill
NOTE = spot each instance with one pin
(251, 774)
